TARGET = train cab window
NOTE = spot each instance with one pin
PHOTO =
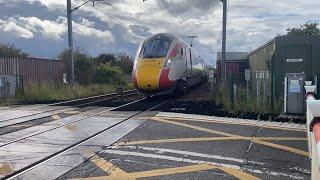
(155, 48)
(181, 51)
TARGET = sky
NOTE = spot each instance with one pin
(39, 27)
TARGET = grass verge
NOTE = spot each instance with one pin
(46, 92)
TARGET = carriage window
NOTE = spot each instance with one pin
(181, 51)
(155, 48)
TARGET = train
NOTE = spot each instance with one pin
(165, 64)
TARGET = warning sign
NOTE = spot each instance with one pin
(294, 86)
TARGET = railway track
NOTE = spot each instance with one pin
(75, 102)
(26, 165)
(8, 125)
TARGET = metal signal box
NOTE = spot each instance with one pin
(294, 102)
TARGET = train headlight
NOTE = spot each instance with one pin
(168, 63)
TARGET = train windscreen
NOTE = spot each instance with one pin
(155, 48)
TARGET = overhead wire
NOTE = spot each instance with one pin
(143, 19)
(167, 7)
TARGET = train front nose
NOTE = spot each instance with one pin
(148, 73)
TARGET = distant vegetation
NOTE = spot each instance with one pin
(7, 49)
(106, 68)
(94, 75)
(308, 29)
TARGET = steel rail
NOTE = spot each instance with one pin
(71, 122)
(68, 101)
(30, 120)
(40, 162)
(105, 96)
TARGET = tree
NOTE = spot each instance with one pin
(307, 29)
(116, 59)
(83, 65)
(105, 58)
(108, 74)
(11, 50)
(125, 63)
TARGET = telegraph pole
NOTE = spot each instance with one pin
(224, 34)
(70, 64)
(192, 37)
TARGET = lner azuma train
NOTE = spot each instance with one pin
(165, 64)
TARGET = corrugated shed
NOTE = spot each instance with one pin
(33, 70)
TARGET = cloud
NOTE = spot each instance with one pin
(26, 27)
(126, 22)
(13, 28)
(48, 29)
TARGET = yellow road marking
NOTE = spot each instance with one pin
(198, 119)
(238, 174)
(286, 148)
(56, 117)
(72, 112)
(5, 169)
(70, 127)
(195, 127)
(159, 141)
(168, 171)
(113, 171)
(282, 138)
(117, 173)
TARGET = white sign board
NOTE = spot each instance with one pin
(294, 86)
(247, 74)
(294, 60)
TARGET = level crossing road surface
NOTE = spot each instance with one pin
(151, 145)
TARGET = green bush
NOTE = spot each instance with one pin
(109, 75)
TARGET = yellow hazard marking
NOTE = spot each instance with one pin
(198, 119)
(286, 148)
(70, 127)
(282, 138)
(113, 171)
(195, 127)
(175, 170)
(56, 117)
(159, 141)
(72, 112)
(238, 174)
(5, 169)
(119, 174)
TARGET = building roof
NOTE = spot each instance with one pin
(233, 56)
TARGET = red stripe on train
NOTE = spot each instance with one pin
(164, 81)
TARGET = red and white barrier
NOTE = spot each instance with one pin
(313, 126)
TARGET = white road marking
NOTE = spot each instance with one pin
(177, 159)
(186, 153)
(266, 124)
